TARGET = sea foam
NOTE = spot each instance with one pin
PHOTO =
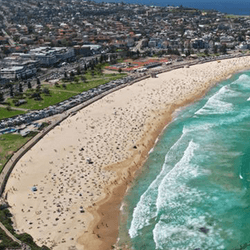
(197, 189)
(216, 104)
(146, 209)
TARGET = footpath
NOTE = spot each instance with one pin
(23, 246)
(7, 169)
(4, 175)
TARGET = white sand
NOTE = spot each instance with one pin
(106, 132)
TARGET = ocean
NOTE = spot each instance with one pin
(194, 190)
(240, 7)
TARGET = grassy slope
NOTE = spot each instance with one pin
(9, 143)
(58, 94)
(4, 113)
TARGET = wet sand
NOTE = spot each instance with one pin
(83, 167)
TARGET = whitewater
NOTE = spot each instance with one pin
(193, 191)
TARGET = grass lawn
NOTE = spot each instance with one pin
(110, 77)
(9, 143)
(58, 94)
(48, 100)
(4, 113)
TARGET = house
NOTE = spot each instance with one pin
(3, 40)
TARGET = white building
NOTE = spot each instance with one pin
(12, 72)
(49, 56)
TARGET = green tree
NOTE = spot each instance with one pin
(223, 49)
(46, 91)
(215, 49)
(38, 88)
(78, 70)
(26, 238)
(11, 91)
(99, 69)
(38, 82)
(101, 58)
(29, 85)
(188, 53)
(8, 108)
(44, 248)
(20, 88)
(83, 78)
(76, 80)
(120, 70)
(1, 97)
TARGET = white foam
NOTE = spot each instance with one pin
(175, 234)
(198, 127)
(145, 209)
(238, 116)
(241, 116)
(244, 77)
(243, 81)
(183, 169)
(215, 105)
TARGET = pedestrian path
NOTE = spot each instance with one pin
(14, 108)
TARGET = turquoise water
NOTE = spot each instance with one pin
(194, 190)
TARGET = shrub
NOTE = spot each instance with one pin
(46, 91)
(26, 238)
(8, 108)
(35, 95)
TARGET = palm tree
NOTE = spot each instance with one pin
(11, 90)
(38, 81)
(20, 88)
(29, 85)
(1, 97)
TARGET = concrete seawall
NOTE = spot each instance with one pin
(8, 167)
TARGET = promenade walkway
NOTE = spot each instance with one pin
(4, 175)
(14, 108)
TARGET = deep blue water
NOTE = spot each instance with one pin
(194, 190)
(240, 7)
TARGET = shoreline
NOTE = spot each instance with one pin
(100, 223)
(124, 187)
(112, 199)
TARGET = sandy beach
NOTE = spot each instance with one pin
(83, 167)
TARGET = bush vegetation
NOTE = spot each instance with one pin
(5, 218)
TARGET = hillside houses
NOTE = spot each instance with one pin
(50, 32)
